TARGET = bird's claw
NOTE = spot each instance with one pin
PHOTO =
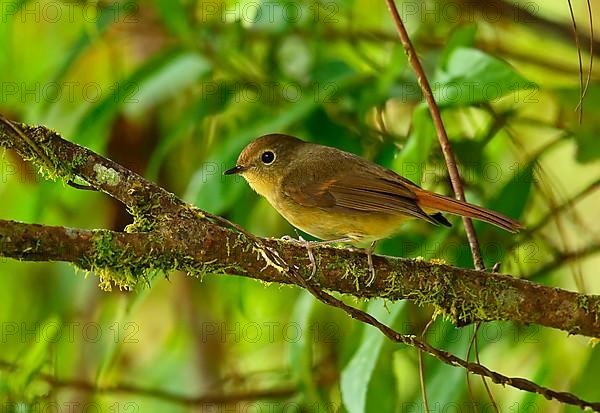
(301, 241)
(371, 271)
(371, 266)
(311, 257)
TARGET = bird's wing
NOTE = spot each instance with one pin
(360, 189)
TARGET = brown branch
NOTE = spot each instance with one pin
(463, 295)
(457, 184)
(443, 356)
(174, 235)
(453, 173)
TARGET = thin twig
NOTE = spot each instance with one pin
(274, 259)
(484, 381)
(468, 378)
(580, 61)
(591, 64)
(184, 232)
(562, 259)
(548, 188)
(457, 185)
(584, 88)
(422, 368)
(566, 205)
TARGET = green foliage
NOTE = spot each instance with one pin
(357, 375)
(175, 89)
(412, 161)
(472, 76)
(587, 145)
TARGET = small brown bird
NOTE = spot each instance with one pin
(337, 196)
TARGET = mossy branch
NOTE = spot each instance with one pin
(169, 234)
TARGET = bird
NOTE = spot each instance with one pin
(339, 197)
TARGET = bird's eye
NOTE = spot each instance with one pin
(267, 157)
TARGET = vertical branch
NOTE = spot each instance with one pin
(422, 368)
(583, 89)
(457, 185)
(449, 157)
(580, 61)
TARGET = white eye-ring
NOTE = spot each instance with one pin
(267, 157)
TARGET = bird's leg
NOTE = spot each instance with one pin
(308, 244)
(289, 239)
(311, 257)
(305, 244)
(370, 261)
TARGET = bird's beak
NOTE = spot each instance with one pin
(235, 170)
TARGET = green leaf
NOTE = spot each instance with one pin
(472, 76)
(99, 116)
(411, 161)
(586, 385)
(168, 82)
(513, 197)
(357, 374)
(391, 72)
(511, 200)
(200, 109)
(67, 61)
(301, 351)
(273, 16)
(10, 14)
(445, 385)
(381, 393)
(462, 37)
(36, 354)
(322, 129)
(212, 191)
(588, 149)
(175, 16)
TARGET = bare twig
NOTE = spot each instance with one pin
(468, 378)
(579, 60)
(566, 205)
(449, 157)
(564, 258)
(453, 173)
(583, 88)
(591, 52)
(422, 368)
(485, 384)
(174, 235)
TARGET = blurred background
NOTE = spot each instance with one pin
(174, 89)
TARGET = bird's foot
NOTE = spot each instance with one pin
(291, 239)
(311, 258)
(306, 244)
(370, 262)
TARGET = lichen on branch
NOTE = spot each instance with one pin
(167, 234)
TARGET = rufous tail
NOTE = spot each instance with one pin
(430, 200)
